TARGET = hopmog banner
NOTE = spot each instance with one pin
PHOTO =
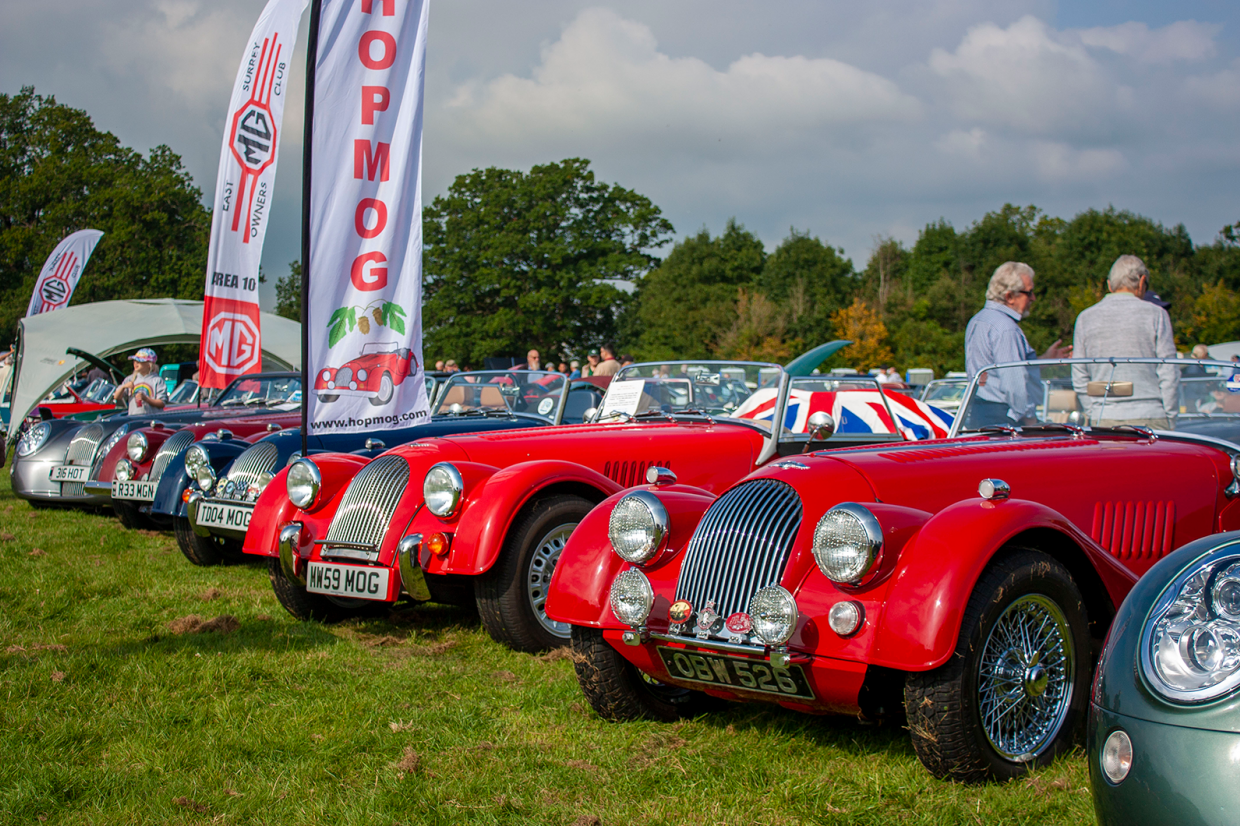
(362, 230)
(61, 272)
(231, 338)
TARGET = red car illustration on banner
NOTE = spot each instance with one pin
(376, 374)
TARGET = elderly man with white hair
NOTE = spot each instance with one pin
(994, 337)
(1121, 324)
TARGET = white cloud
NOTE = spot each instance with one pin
(605, 80)
(1058, 162)
(1182, 40)
(1220, 90)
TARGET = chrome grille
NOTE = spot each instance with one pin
(173, 445)
(253, 463)
(369, 502)
(740, 546)
(81, 451)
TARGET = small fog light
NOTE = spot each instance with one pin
(1117, 756)
(438, 544)
(124, 470)
(631, 597)
(846, 617)
(774, 615)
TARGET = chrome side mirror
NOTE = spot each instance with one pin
(375, 444)
(821, 428)
(589, 415)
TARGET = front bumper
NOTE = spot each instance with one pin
(406, 575)
(197, 502)
(1179, 775)
(31, 478)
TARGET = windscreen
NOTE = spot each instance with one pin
(185, 393)
(501, 392)
(703, 388)
(278, 392)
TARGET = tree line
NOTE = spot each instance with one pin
(553, 259)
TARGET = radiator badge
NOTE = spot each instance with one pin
(679, 612)
(708, 620)
(739, 626)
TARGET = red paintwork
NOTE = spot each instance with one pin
(61, 409)
(242, 428)
(939, 535)
(505, 470)
(398, 365)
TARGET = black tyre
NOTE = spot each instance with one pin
(387, 389)
(1013, 694)
(619, 691)
(129, 515)
(512, 596)
(304, 605)
(204, 550)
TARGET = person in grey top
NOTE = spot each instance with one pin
(994, 337)
(1121, 324)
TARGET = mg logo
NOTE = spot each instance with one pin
(53, 291)
(232, 343)
(253, 137)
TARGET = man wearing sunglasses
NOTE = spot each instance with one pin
(994, 336)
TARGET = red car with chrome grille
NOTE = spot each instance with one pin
(964, 585)
(483, 517)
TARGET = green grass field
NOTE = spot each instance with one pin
(140, 689)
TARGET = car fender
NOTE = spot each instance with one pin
(273, 510)
(581, 585)
(938, 568)
(497, 501)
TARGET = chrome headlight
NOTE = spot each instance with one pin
(124, 470)
(293, 458)
(638, 527)
(631, 597)
(136, 447)
(195, 458)
(303, 483)
(774, 615)
(847, 543)
(441, 489)
(33, 439)
(1190, 646)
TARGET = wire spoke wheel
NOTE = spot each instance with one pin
(1025, 677)
(538, 577)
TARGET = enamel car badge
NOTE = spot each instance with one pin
(707, 619)
(680, 611)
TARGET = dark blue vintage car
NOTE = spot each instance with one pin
(208, 490)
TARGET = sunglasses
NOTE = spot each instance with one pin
(1030, 293)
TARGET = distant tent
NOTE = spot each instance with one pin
(105, 328)
(1224, 351)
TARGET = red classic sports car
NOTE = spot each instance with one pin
(488, 514)
(376, 373)
(966, 582)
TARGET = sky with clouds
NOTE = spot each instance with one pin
(846, 120)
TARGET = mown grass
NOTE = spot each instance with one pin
(117, 706)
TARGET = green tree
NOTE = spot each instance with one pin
(514, 260)
(690, 301)
(59, 174)
(812, 280)
(288, 292)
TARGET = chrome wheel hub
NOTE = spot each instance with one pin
(1025, 678)
(538, 577)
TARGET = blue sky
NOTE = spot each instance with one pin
(852, 121)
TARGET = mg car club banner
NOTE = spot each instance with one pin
(231, 339)
(61, 272)
(364, 224)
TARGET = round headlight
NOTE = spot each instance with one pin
(293, 458)
(195, 458)
(1190, 646)
(33, 439)
(1116, 759)
(205, 476)
(113, 439)
(303, 483)
(442, 488)
(847, 542)
(361, 375)
(638, 527)
(136, 447)
(774, 615)
(124, 470)
(631, 597)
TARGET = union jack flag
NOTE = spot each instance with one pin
(854, 411)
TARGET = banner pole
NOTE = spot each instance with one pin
(307, 145)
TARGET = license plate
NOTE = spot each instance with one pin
(347, 580)
(142, 491)
(213, 515)
(733, 672)
(70, 473)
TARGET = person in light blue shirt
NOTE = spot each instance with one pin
(994, 336)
